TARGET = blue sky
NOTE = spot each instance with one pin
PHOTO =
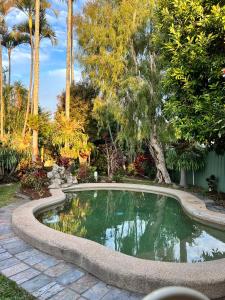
(52, 59)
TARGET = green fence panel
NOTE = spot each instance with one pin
(215, 165)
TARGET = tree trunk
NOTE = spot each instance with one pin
(72, 51)
(9, 78)
(68, 58)
(156, 151)
(1, 94)
(36, 77)
(183, 178)
(29, 98)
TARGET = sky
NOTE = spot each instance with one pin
(52, 59)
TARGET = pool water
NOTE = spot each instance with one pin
(143, 225)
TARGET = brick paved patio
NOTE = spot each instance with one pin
(45, 276)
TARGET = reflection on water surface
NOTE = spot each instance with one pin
(139, 224)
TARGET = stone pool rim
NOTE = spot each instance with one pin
(118, 269)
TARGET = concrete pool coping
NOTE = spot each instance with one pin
(115, 268)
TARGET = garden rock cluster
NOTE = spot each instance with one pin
(60, 177)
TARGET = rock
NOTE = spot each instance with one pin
(60, 177)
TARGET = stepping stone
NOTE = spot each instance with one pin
(15, 269)
(66, 294)
(36, 283)
(84, 283)
(25, 275)
(97, 292)
(48, 291)
(69, 276)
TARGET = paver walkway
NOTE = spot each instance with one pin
(45, 276)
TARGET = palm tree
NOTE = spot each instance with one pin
(68, 56)
(5, 6)
(36, 77)
(46, 32)
(10, 40)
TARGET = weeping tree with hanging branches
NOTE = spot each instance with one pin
(119, 58)
(184, 156)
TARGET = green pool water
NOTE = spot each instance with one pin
(143, 225)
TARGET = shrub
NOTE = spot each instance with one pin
(9, 161)
(35, 177)
(86, 174)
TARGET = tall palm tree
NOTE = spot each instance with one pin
(28, 27)
(11, 40)
(35, 153)
(68, 56)
(46, 32)
(5, 6)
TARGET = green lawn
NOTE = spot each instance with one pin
(10, 291)
(6, 193)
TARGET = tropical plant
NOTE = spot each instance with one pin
(190, 37)
(69, 136)
(184, 157)
(5, 6)
(11, 40)
(9, 161)
(28, 28)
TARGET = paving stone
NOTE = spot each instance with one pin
(15, 269)
(4, 229)
(19, 249)
(36, 283)
(97, 292)
(36, 259)
(135, 296)
(84, 283)
(8, 263)
(58, 269)
(2, 250)
(66, 294)
(26, 254)
(45, 264)
(9, 240)
(5, 255)
(69, 276)
(25, 275)
(116, 294)
(6, 236)
(14, 243)
(48, 291)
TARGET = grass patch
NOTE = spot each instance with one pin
(10, 291)
(6, 193)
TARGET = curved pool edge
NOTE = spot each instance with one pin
(116, 268)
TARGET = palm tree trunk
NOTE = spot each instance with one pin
(72, 51)
(1, 94)
(36, 77)
(68, 58)
(9, 59)
(29, 98)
